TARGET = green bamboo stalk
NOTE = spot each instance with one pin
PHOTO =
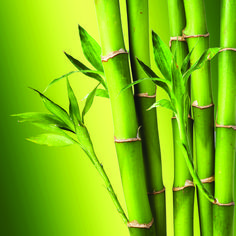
(138, 26)
(226, 136)
(183, 198)
(202, 107)
(127, 141)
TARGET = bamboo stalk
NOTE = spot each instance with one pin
(226, 124)
(202, 106)
(183, 197)
(138, 26)
(127, 141)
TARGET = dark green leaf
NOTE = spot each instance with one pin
(186, 108)
(186, 61)
(102, 93)
(162, 56)
(49, 139)
(177, 82)
(42, 119)
(163, 103)
(80, 66)
(55, 109)
(73, 107)
(89, 102)
(70, 73)
(91, 49)
(207, 55)
(150, 73)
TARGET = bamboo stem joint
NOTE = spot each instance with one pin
(113, 54)
(135, 224)
(157, 192)
(176, 38)
(195, 104)
(144, 95)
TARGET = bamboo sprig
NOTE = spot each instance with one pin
(60, 121)
(223, 213)
(127, 141)
(145, 96)
(175, 84)
(202, 106)
(183, 196)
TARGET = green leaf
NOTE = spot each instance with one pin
(102, 93)
(150, 73)
(91, 49)
(186, 61)
(89, 102)
(177, 81)
(162, 56)
(81, 67)
(49, 139)
(163, 103)
(73, 107)
(186, 108)
(207, 55)
(56, 110)
(70, 73)
(42, 119)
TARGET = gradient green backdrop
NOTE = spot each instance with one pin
(56, 191)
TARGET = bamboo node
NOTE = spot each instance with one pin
(196, 36)
(135, 224)
(157, 192)
(113, 54)
(226, 126)
(195, 104)
(208, 180)
(144, 95)
(228, 49)
(175, 38)
(188, 183)
(128, 140)
(216, 202)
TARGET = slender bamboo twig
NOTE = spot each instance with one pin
(183, 196)
(138, 25)
(127, 141)
(201, 95)
(226, 124)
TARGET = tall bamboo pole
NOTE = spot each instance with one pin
(226, 124)
(127, 141)
(202, 107)
(183, 196)
(138, 26)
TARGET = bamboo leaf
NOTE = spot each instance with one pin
(50, 139)
(163, 103)
(207, 55)
(89, 102)
(186, 108)
(102, 93)
(91, 49)
(81, 67)
(42, 119)
(177, 81)
(73, 107)
(186, 61)
(70, 73)
(162, 56)
(56, 110)
(150, 73)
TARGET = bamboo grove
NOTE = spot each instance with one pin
(203, 161)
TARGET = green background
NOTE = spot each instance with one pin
(56, 191)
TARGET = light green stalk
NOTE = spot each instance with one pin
(128, 146)
(226, 137)
(203, 110)
(138, 26)
(182, 199)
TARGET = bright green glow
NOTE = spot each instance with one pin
(55, 191)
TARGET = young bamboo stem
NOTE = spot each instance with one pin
(183, 197)
(138, 26)
(226, 124)
(127, 141)
(202, 107)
